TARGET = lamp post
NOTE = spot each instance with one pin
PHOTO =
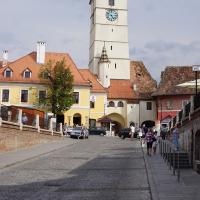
(196, 68)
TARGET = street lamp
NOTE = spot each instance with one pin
(196, 68)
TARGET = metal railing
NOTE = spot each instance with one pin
(187, 109)
(197, 101)
(171, 156)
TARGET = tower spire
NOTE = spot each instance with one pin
(104, 55)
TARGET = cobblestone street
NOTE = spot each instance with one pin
(99, 168)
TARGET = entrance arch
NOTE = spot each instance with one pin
(77, 119)
(118, 121)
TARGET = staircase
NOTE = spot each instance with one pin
(184, 162)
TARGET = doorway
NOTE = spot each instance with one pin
(77, 119)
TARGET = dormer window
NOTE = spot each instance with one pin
(8, 73)
(111, 2)
(27, 73)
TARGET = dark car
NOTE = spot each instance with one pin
(97, 131)
(125, 133)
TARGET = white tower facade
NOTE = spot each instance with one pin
(104, 69)
(109, 26)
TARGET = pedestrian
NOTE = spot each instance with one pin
(144, 130)
(175, 138)
(155, 142)
(65, 128)
(132, 127)
(24, 118)
(149, 141)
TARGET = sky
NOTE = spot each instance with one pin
(161, 32)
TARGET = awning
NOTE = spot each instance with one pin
(104, 119)
(190, 84)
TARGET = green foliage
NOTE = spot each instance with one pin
(59, 80)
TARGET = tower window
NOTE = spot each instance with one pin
(111, 2)
(112, 29)
(111, 48)
(115, 66)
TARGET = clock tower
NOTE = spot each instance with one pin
(109, 30)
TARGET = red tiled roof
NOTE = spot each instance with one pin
(95, 85)
(171, 77)
(29, 61)
(121, 89)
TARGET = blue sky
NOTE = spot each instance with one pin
(161, 32)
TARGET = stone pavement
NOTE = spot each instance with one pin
(14, 157)
(164, 185)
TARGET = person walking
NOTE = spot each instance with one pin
(155, 142)
(175, 138)
(24, 118)
(132, 127)
(149, 141)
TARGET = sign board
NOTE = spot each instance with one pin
(196, 68)
(93, 98)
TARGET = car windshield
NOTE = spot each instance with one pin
(77, 128)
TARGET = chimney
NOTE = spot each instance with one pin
(5, 58)
(135, 87)
(41, 52)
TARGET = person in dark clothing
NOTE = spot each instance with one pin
(163, 134)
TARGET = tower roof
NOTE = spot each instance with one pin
(104, 56)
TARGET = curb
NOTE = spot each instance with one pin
(153, 189)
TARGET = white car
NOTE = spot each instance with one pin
(79, 132)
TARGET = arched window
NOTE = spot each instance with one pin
(111, 104)
(8, 73)
(120, 104)
(111, 2)
(27, 73)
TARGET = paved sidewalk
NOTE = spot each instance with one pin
(164, 185)
(13, 157)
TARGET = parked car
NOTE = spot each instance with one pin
(79, 132)
(125, 133)
(97, 131)
(67, 130)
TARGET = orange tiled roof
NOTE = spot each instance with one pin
(95, 85)
(121, 89)
(29, 61)
(171, 77)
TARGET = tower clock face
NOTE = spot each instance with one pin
(111, 14)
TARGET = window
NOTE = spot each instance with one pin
(76, 97)
(92, 104)
(111, 2)
(149, 105)
(24, 96)
(111, 104)
(7, 73)
(115, 65)
(42, 95)
(111, 48)
(120, 104)
(27, 74)
(169, 105)
(5, 96)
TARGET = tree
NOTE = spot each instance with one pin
(59, 79)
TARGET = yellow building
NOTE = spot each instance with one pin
(20, 86)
